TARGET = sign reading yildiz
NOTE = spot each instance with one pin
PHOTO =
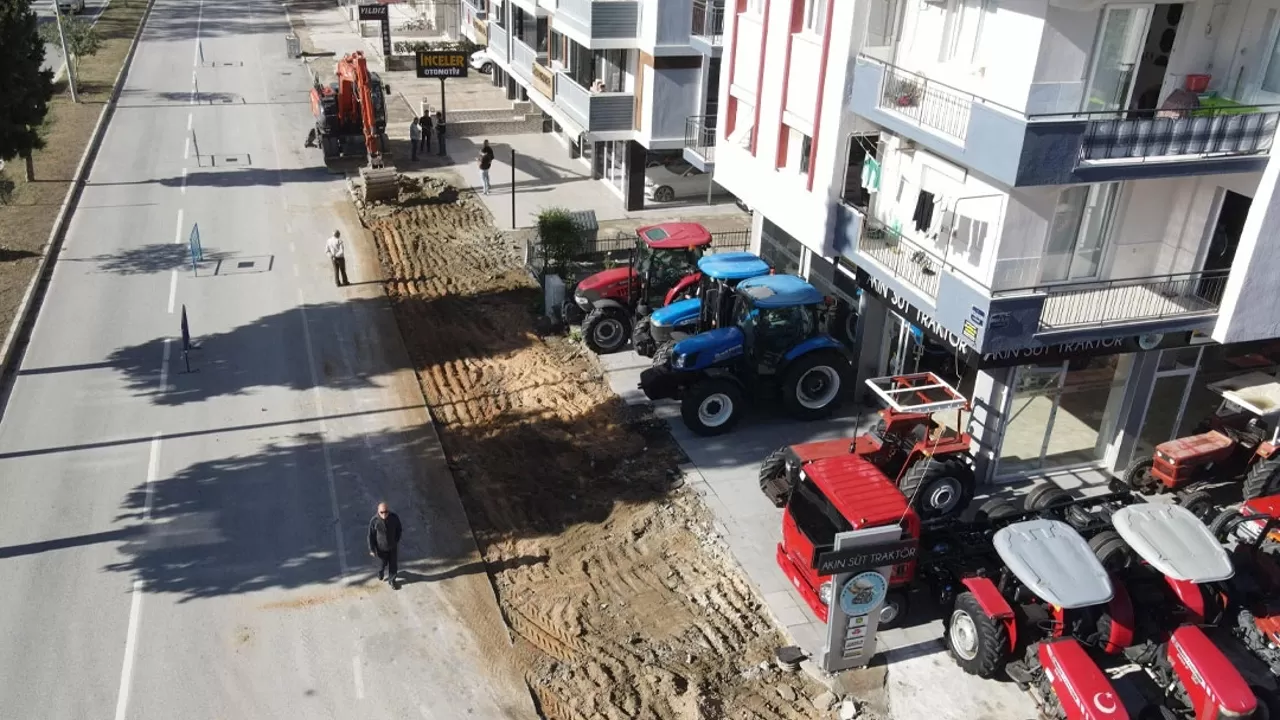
(373, 13)
(441, 64)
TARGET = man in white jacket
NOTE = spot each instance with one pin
(333, 248)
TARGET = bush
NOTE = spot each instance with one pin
(411, 47)
(560, 239)
(7, 187)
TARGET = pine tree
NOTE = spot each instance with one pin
(25, 88)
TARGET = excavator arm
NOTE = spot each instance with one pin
(364, 86)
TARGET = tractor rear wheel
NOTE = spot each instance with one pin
(892, 610)
(938, 487)
(605, 330)
(977, 642)
(774, 482)
(1138, 476)
(995, 509)
(642, 339)
(711, 407)
(813, 386)
(1225, 523)
(1200, 503)
(1110, 549)
(1263, 479)
(1043, 496)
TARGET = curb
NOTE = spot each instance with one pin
(32, 298)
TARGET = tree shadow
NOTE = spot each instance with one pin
(9, 254)
(234, 177)
(146, 259)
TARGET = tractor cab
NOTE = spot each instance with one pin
(775, 314)
(709, 309)
(1238, 443)
(662, 268)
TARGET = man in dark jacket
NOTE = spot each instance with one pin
(384, 542)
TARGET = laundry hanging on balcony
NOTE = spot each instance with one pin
(871, 174)
(923, 215)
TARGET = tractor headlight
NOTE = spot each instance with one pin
(683, 360)
(582, 301)
(824, 593)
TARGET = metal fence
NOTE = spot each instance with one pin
(700, 135)
(931, 104)
(1101, 303)
(708, 20)
(905, 260)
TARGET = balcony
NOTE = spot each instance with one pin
(498, 46)
(1020, 149)
(906, 261)
(700, 141)
(1107, 303)
(523, 59)
(595, 112)
(598, 19)
(707, 32)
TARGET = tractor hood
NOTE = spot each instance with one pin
(606, 283)
(677, 313)
(707, 349)
(1174, 541)
(1054, 562)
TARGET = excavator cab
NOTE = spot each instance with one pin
(351, 122)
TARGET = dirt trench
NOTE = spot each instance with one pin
(621, 599)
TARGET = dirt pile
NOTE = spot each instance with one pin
(619, 595)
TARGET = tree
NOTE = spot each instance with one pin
(82, 38)
(560, 239)
(25, 88)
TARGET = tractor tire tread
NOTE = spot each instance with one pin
(993, 639)
(772, 476)
(594, 318)
(1263, 479)
(801, 365)
(922, 471)
(1044, 495)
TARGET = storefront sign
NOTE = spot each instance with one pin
(854, 612)
(441, 64)
(382, 15)
(544, 80)
(916, 317)
(862, 557)
(481, 28)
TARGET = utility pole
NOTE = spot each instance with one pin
(66, 56)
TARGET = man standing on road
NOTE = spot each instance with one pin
(486, 161)
(384, 541)
(415, 138)
(333, 248)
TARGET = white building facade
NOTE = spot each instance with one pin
(617, 78)
(1064, 206)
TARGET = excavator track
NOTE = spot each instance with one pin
(380, 184)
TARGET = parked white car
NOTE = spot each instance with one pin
(480, 61)
(70, 7)
(678, 181)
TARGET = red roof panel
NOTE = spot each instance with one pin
(674, 235)
(858, 490)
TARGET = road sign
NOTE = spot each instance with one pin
(382, 15)
(441, 64)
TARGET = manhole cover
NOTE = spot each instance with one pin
(243, 264)
(231, 159)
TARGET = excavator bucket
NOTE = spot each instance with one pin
(380, 184)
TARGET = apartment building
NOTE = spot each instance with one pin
(1064, 206)
(619, 79)
(475, 21)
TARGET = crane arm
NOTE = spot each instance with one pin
(364, 86)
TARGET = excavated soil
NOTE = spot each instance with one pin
(617, 591)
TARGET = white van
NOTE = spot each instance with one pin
(70, 7)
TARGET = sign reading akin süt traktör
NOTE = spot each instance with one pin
(855, 559)
(441, 64)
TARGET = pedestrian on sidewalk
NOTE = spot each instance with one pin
(486, 161)
(384, 542)
(424, 146)
(333, 248)
(440, 132)
(415, 138)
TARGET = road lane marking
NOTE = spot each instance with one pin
(130, 645)
(177, 234)
(196, 51)
(292, 247)
(184, 181)
(189, 121)
(186, 151)
(164, 366)
(153, 474)
(324, 440)
(295, 271)
(195, 88)
(173, 289)
(358, 675)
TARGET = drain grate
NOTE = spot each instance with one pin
(244, 264)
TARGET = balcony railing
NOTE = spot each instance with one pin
(708, 20)
(700, 136)
(1234, 130)
(599, 112)
(1103, 303)
(498, 42)
(601, 19)
(522, 59)
(904, 259)
(928, 103)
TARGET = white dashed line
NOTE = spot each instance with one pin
(130, 646)
(189, 122)
(358, 675)
(186, 150)
(173, 289)
(153, 474)
(164, 365)
(177, 232)
(184, 181)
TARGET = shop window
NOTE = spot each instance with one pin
(780, 250)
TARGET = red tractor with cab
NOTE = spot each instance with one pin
(662, 268)
(927, 460)
(1251, 533)
(1238, 443)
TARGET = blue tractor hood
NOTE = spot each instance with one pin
(709, 348)
(732, 266)
(677, 313)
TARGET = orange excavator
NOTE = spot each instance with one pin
(351, 122)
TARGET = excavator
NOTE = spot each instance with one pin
(351, 121)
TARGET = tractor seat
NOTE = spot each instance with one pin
(1196, 446)
(1189, 645)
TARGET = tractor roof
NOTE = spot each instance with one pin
(1054, 562)
(733, 266)
(1256, 392)
(674, 235)
(1174, 541)
(775, 291)
(858, 490)
(917, 393)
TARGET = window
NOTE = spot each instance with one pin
(962, 29)
(882, 20)
(806, 146)
(815, 16)
(756, 6)
(1271, 63)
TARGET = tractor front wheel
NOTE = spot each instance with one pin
(605, 330)
(892, 610)
(1224, 525)
(978, 642)
(1138, 476)
(774, 482)
(1200, 503)
(1263, 479)
(1043, 496)
(712, 407)
(995, 509)
(813, 385)
(938, 487)
(1110, 549)
(642, 339)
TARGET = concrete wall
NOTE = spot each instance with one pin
(674, 95)
(1248, 310)
(671, 22)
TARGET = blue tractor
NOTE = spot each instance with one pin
(710, 308)
(775, 348)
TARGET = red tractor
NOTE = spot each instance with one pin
(662, 268)
(1251, 532)
(1235, 444)
(928, 461)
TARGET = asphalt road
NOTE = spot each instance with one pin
(44, 14)
(191, 545)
